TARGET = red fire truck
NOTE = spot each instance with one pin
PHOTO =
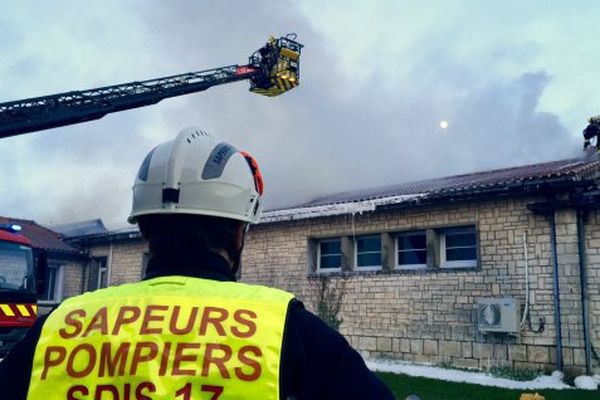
(18, 286)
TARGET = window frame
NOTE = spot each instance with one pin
(341, 254)
(57, 281)
(368, 267)
(472, 263)
(404, 267)
(97, 265)
(102, 272)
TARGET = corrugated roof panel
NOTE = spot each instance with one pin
(572, 169)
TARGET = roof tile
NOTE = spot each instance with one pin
(41, 238)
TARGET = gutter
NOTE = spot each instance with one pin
(538, 186)
(105, 237)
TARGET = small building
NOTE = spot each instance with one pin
(495, 268)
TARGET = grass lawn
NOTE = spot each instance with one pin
(432, 389)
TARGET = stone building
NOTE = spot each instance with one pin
(496, 268)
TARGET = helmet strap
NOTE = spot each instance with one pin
(236, 257)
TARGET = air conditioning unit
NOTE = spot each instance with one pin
(498, 315)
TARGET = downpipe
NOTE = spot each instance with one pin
(584, 294)
(557, 323)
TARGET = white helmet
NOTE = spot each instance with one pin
(196, 174)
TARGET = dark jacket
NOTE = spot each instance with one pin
(316, 361)
(591, 131)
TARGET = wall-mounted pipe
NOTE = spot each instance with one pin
(584, 293)
(557, 324)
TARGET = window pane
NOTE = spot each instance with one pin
(461, 239)
(368, 259)
(368, 243)
(408, 242)
(331, 247)
(331, 261)
(468, 253)
(102, 278)
(49, 293)
(412, 257)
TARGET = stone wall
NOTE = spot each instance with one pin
(72, 279)
(430, 315)
(426, 315)
(125, 260)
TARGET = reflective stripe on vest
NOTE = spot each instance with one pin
(166, 338)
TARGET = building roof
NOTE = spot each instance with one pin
(41, 238)
(529, 178)
(532, 177)
(82, 228)
(130, 233)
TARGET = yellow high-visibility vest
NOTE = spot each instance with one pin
(173, 337)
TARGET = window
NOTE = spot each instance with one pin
(412, 250)
(102, 275)
(458, 247)
(368, 252)
(416, 251)
(98, 274)
(53, 289)
(329, 255)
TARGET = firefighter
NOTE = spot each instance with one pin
(188, 330)
(592, 131)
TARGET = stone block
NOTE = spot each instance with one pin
(448, 348)
(578, 357)
(482, 350)
(467, 349)
(469, 363)
(517, 353)
(405, 345)
(416, 346)
(367, 343)
(500, 351)
(384, 344)
(567, 356)
(430, 347)
(420, 358)
(396, 345)
(538, 354)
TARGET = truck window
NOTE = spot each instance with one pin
(15, 266)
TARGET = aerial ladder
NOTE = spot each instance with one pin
(272, 70)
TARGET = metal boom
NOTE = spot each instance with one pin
(272, 70)
(39, 113)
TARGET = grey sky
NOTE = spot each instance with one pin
(515, 82)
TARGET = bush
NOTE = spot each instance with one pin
(569, 375)
(329, 301)
(514, 373)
